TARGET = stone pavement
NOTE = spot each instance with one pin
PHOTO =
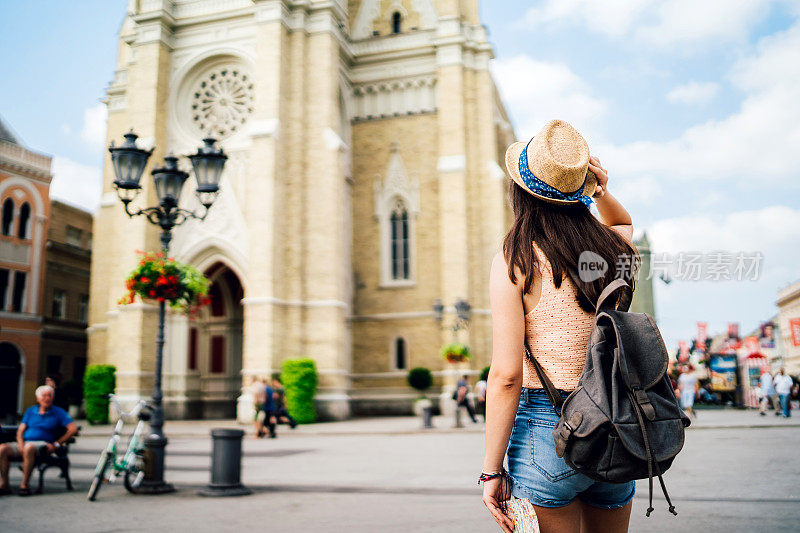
(738, 472)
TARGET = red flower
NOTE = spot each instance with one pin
(152, 293)
(145, 279)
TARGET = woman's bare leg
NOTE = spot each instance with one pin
(596, 520)
(565, 519)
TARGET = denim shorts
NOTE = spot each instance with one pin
(541, 476)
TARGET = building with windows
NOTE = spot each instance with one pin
(24, 214)
(365, 181)
(66, 293)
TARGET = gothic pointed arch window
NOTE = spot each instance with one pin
(396, 208)
(8, 216)
(23, 226)
(400, 247)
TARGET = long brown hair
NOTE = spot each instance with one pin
(563, 232)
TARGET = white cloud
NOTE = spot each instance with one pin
(693, 93)
(611, 17)
(769, 231)
(661, 24)
(538, 91)
(758, 141)
(93, 130)
(76, 183)
(691, 22)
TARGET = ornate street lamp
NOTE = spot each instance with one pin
(129, 163)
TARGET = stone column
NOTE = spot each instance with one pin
(324, 276)
(260, 204)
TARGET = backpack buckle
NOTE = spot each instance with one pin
(567, 429)
(644, 403)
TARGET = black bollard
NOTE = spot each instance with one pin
(226, 464)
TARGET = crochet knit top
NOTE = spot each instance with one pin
(557, 332)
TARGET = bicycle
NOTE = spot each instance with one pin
(132, 464)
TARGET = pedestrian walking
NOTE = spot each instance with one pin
(480, 395)
(768, 393)
(783, 386)
(265, 419)
(687, 385)
(535, 300)
(461, 396)
(281, 413)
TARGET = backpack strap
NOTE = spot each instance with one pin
(612, 287)
(552, 393)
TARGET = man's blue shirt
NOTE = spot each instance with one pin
(48, 426)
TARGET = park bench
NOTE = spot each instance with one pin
(44, 461)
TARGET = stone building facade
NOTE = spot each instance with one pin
(364, 182)
(24, 214)
(65, 308)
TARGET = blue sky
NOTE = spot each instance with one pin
(692, 107)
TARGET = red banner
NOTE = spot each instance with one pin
(794, 325)
(683, 351)
(700, 342)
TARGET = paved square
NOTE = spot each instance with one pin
(387, 475)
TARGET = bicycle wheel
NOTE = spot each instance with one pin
(134, 475)
(99, 476)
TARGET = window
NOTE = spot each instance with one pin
(53, 365)
(217, 354)
(83, 309)
(74, 236)
(400, 247)
(4, 279)
(18, 296)
(400, 353)
(397, 22)
(192, 363)
(8, 216)
(23, 227)
(59, 304)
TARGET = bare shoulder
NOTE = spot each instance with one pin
(499, 273)
(626, 231)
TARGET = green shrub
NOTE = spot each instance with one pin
(485, 373)
(299, 378)
(420, 378)
(98, 381)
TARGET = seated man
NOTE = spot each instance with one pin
(42, 430)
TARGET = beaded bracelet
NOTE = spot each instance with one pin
(486, 477)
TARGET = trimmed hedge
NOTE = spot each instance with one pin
(98, 381)
(420, 378)
(299, 378)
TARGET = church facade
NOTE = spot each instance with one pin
(364, 183)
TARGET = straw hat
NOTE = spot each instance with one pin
(558, 156)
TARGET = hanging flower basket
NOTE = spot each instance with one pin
(455, 352)
(163, 279)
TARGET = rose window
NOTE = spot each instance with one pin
(222, 101)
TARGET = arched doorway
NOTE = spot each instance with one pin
(215, 344)
(10, 381)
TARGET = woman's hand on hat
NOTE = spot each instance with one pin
(602, 177)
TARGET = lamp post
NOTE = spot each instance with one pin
(129, 163)
(462, 319)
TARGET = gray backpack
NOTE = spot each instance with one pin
(623, 421)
